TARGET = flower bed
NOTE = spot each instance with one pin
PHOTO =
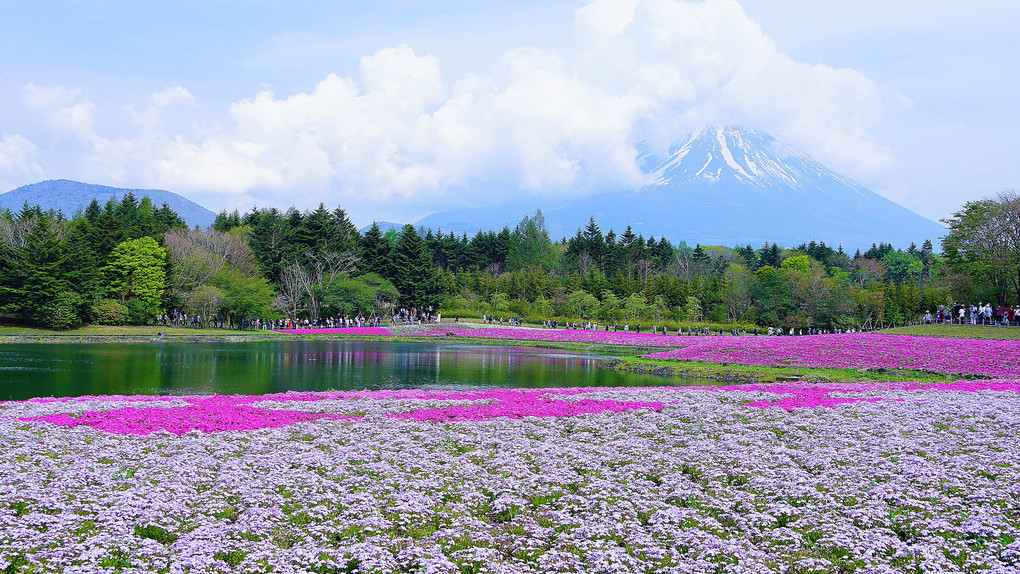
(568, 336)
(955, 356)
(337, 331)
(905, 478)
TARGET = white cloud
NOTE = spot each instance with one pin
(47, 97)
(543, 121)
(18, 160)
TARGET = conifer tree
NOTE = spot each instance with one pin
(375, 253)
(413, 273)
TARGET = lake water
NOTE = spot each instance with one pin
(42, 370)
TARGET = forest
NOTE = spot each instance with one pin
(130, 262)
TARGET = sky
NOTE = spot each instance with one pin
(394, 109)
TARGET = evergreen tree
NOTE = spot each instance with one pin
(413, 273)
(530, 245)
(375, 253)
(269, 241)
(36, 275)
(345, 237)
(316, 232)
(224, 221)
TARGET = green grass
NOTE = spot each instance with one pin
(766, 374)
(958, 331)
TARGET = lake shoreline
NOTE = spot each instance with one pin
(624, 359)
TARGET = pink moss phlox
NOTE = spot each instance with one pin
(992, 358)
(565, 336)
(208, 414)
(226, 413)
(809, 395)
(235, 412)
(517, 404)
(338, 331)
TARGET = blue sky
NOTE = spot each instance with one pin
(394, 109)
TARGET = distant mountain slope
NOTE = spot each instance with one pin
(70, 196)
(384, 226)
(725, 186)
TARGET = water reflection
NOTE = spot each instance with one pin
(28, 370)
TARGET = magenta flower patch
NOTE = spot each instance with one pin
(517, 404)
(856, 351)
(812, 395)
(206, 414)
(337, 331)
(241, 413)
(236, 413)
(568, 336)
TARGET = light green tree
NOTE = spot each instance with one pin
(658, 308)
(136, 275)
(692, 309)
(634, 307)
(543, 307)
(583, 304)
(609, 306)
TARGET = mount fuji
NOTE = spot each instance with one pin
(725, 186)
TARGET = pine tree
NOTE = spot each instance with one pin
(413, 273)
(315, 233)
(345, 237)
(375, 253)
(36, 276)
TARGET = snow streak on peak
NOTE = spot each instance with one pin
(737, 154)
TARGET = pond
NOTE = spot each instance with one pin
(41, 370)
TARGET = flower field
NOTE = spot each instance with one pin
(569, 336)
(868, 478)
(854, 351)
(979, 357)
(337, 331)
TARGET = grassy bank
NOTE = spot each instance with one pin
(958, 331)
(762, 374)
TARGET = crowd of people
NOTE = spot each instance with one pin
(959, 314)
(974, 314)
(415, 316)
(184, 320)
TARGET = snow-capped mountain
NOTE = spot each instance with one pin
(725, 186)
(754, 159)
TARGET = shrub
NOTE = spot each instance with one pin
(140, 312)
(64, 312)
(110, 312)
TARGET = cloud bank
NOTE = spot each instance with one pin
(553, 122)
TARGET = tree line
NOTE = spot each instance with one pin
(130, 262)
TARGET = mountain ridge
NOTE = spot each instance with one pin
(69, 196)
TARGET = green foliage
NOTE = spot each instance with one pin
(413, 273)
(204, 302)
(366, 295)
(246, 296)
(530, 245)
(984, 244)
(67, 310)
(375, 252)
(136, 275)
(610, 306)
(109, 312)
(634, 307)
(801, 263)
(901, 267)
(33, 273)
(582, 304)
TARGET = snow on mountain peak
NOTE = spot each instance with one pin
(743, 155)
